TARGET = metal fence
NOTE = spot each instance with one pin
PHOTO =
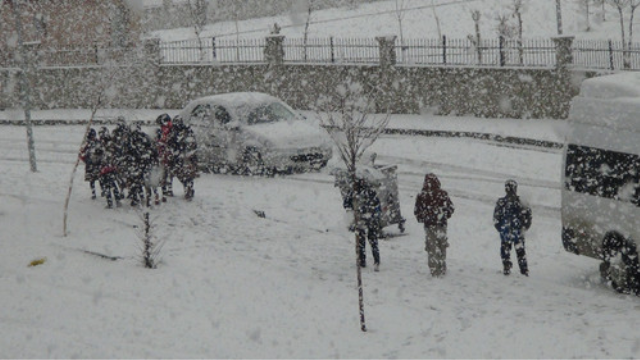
(587, 54)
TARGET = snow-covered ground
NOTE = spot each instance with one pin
(233, 285)
(449, 17)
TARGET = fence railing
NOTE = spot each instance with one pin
(587, 54)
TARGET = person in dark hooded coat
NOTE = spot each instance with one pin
(433, 208)
(183, 147)
(368, 226)
(512, 218)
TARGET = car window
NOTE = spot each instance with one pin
(271, 112)
(222, 115)
(200, 114)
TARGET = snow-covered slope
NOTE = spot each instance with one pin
(419, 21)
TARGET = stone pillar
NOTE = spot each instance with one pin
(387, 50)
(151, 95)
(564, 83)
(152, 50)
(564, 54)
(274, 49)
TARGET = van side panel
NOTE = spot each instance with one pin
(600, 192)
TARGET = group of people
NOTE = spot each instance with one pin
(129, 163)
(433, 208)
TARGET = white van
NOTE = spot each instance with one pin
(601, 168)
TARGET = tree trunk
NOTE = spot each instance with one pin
(356, 219)
(623, 37)
(559, 17)
(306, 30)
(627, 60)
(588, 23)
(476, 19)
(435, 15)
(520, 49)
(75, 168)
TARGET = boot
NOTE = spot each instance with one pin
(506, 267)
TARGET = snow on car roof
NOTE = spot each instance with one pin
(238, 99)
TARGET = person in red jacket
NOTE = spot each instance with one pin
(433, 208)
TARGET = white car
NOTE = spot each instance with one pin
(254, 133)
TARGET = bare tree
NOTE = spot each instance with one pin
(518, 7)
(559, 17)
(585, 6)
(477, 40)
(235, 10)
(99, 102)
(348, 118)
(197, 11)
(623, 6)
(505, 28)
(603, 9)
(401, 6)
(150, 247)
(301, 13)
(26, 63)
(435, 16)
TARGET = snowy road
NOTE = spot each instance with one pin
(235, 285)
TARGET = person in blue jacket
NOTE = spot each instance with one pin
(512, 219)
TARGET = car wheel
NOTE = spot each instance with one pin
(219, 168)
(252, 163)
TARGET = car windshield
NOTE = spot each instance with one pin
(268, 113)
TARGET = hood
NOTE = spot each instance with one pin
(294, 134)
(431, 183)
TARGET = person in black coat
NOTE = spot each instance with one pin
(142, 155)
(512, 218)
(120, 139)
(183, 146)
(368, 226)
(91, 155)
(108, 169)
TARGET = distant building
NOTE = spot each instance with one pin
(68, 23)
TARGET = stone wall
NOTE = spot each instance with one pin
(483, 92)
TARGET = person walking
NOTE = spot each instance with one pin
(433, 208)
(512, 218)
(368, 226)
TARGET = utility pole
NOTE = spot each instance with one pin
(25, 91)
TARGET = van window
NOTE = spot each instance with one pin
(603, 173)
